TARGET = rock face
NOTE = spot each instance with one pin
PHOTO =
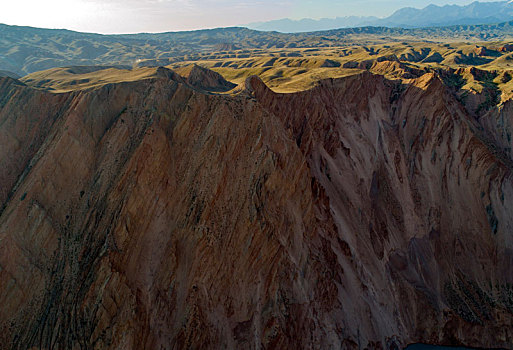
(364, 213)
(506, 48)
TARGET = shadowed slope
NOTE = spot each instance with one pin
(362, 213)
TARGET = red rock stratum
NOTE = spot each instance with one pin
(364, 213)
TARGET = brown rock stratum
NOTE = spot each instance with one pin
(364, 213)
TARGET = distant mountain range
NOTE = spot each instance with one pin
(408, 17)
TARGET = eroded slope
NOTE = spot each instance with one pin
(365, 212)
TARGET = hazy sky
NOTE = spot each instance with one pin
(129, 16)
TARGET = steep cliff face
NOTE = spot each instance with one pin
(149, 215)
(419, 192)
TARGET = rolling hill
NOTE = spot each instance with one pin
(26, 50)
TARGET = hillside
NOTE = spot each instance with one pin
(480, 73)
(369, 206)
(25, 50)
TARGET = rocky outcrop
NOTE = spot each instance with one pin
(207, 80)
(481, 51)
(396, 69)
(506, 48)
(364, 213)
(379, 165)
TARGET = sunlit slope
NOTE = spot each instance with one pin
(24, 50)
(83, 77)
(479, 73)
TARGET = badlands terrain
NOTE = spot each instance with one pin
(262, 191)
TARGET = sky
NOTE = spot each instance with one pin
(135, 16)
